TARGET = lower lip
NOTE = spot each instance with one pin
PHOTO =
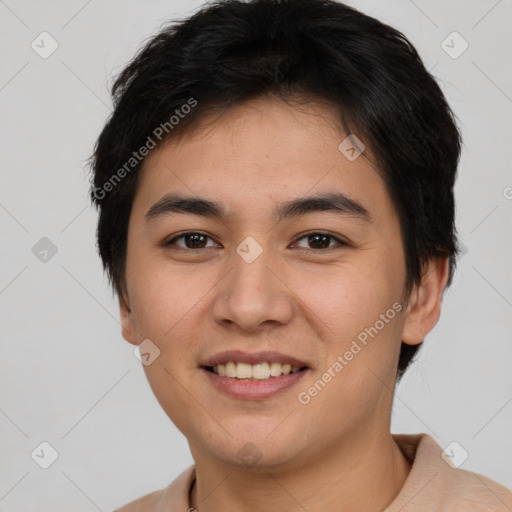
(253, 389)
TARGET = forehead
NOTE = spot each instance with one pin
(260, 153)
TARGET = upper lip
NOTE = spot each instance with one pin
(240, 356)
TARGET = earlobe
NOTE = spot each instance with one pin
(424, 308)
(127, 321)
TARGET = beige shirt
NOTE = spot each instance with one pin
(432, 485)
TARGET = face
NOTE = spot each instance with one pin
(318, 287)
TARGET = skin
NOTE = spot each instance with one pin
(194, 303)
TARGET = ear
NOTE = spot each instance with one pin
(424, 308)
(127, 321)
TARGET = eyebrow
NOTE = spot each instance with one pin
(327, 202)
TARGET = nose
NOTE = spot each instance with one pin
(253, 293)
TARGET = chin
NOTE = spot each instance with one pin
(259, 450)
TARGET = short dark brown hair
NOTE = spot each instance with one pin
(232, 51)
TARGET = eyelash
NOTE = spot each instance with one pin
(341, 243)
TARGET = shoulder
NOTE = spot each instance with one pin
(467, 490)
(481, 492)
(144, 504)
(172, 497)
(434, 482)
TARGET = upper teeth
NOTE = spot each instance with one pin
(253, 371)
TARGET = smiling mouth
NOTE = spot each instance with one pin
(259, 371)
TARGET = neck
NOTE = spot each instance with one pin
(366, 473)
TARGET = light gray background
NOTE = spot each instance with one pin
(67, 375)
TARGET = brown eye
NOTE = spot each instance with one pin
(319, 240)
(192, 240)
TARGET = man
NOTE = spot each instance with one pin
(275, 188)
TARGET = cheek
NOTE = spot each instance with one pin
(343, 299)
(346, 305)
(162, 298)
